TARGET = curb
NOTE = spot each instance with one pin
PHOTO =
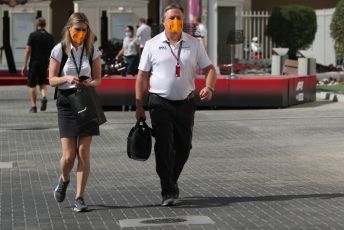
(330, 96)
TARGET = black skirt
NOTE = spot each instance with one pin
(67, 120)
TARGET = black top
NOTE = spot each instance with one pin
(42, 43)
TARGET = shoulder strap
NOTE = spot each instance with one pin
(62, 64)
(64, 58)
(90, 59)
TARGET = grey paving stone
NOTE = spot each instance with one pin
(248, 169)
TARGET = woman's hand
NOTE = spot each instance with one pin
(74, 81)
(88, 83)
(71, 79)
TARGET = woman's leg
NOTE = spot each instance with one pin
(69, 151)
(83, 169)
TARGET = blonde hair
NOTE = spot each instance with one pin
(75, 18)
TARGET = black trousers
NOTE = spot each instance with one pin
(132, 64)
(172, 124)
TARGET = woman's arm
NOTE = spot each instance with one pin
(54, 78)
(96, 73)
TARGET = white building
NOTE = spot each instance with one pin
(22, 23)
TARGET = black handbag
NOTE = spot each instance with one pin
(139, 141)
(86, 105)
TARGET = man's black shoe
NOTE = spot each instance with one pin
(176, 192)
(167, 200)
(44, 104)
(60, 190)
(33, 109)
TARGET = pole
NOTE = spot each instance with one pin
(6, 41)
(104, 31)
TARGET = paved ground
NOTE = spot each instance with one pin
(249, 169)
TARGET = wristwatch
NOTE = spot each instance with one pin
(210, 88)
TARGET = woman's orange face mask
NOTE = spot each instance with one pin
(77, 34)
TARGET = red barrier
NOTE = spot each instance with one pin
(246, 91)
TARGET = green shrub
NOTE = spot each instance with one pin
(292, 27)
(337, 28)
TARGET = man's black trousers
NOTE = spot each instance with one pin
(172, 123)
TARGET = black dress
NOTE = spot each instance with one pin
(67, 118)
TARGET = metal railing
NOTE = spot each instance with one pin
(254, 25)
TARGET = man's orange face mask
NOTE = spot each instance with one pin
(77, 36)
(174, 26)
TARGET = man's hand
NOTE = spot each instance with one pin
(23, 71)
(205, 94)
(140, 113)
(141, 85)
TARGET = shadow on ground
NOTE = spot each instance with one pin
(209, 202)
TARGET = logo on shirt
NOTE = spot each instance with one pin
(162, 47)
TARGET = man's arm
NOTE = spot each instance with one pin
(141, 88)
(210, 79)
(27, 54)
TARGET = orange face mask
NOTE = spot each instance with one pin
(174, 26)
(77, 36)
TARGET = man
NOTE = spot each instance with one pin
(39, 46)
(167, 66)
(143, 33)
(201, 31)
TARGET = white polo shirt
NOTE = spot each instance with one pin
(143, 34)
(157, 56)
(69, 68)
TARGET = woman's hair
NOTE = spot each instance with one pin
(75, 18)
(131, 28)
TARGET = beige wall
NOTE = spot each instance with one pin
(18, 47)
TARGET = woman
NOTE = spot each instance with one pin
(130, 50)
(78, 43)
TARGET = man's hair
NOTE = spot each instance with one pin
(40, 22)
(198, 19)
(174, 6)
(142, 20)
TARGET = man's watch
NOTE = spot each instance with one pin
(211, 89)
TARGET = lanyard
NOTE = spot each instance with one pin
(179, 50)
(76, 66)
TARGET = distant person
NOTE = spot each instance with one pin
(82, 60)
(38, 48)
(144, 33)
(130, 51)
(201, 31)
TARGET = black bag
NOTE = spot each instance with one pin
(85, 103)
(139, 142)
